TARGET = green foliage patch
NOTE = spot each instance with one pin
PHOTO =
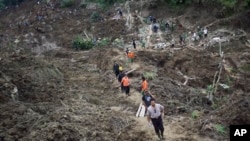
(220, 129)
(80, 43)
(95, 17)
(67, 3)
(105, 3)
(150, 75)
(4, 3)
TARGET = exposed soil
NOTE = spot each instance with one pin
(49, 91)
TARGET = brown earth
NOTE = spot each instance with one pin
(57, 93)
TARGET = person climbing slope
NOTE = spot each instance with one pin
(146, 98)
(154, 114)
(120, 76)
(127, 50)
(205, 32)
(134, 45)
(120, 12)
(125, 85)
(131, 56)
(116, 68)
(144, 85)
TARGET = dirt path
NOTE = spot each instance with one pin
(175, 127)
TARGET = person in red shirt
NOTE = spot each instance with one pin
(125, 84)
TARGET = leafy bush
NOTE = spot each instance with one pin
(1, 5)
(220, 129)
(195, 114)
(67, 3)
(178, 2)
(95, 17)
(210, 89)
(245, 67)
(103, 42)
(118, 42)
(149, 75)
(4, 3)
(105, 3)
(80, 43)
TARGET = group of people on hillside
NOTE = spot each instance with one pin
(169, 25)
(154, 111)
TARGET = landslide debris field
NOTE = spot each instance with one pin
(52, 92)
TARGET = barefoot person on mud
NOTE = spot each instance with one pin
(154, 114)
(125, 84)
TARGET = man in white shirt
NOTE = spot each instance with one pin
(154, 114)
(205, 32)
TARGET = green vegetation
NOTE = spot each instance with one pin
(118, 42)
(149, 75)
(210, 89)
(67, 3)
(95, 17)
(220, 129)
(195, 114)
(215, 106)
(176, 3)
(4, 3)
(81, 43)
(105, 3)
(246, 67)
(103, 42)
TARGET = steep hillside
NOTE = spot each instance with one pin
(51, 91)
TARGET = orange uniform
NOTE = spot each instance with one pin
(125, 81)
(144, 85)
(131, 55)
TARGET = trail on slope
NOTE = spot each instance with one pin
(174, 129)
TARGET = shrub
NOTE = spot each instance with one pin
(4, 3)
(195, 114)
(95, 17)
(67, 3)
(103, 42)
(118, 42)
(80, 43)
(220, 129)
(105, 3)
(149, 75)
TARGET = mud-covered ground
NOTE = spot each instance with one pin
(49, 91)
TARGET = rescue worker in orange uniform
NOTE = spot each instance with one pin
(125, 84)
(144, 85)
(131, 56)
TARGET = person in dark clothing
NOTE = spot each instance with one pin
(146, 98)
(116, 68)
(154, 20)
(181, 39)
(120, 12)
(151, 19)
(155, 28)
(134, 44)
(127, 50)
(154, 114)
(120, 76)
(167, 25)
